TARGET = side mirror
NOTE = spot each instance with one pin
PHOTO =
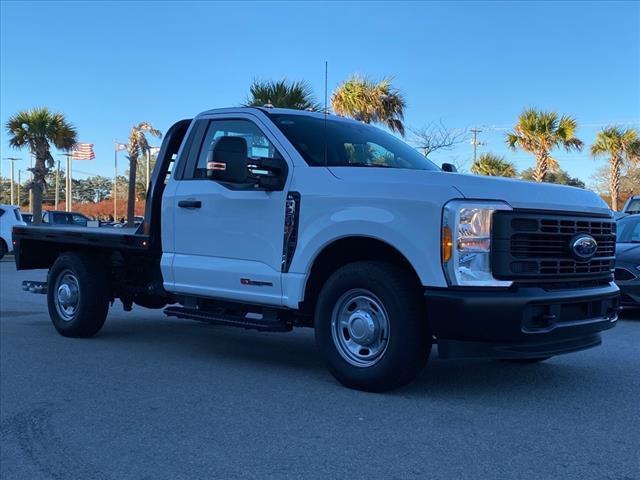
(227, 160)
(449, 167)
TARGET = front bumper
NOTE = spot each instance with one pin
(524, 322)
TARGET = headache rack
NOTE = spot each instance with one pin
(529, 246)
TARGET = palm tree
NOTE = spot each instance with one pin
(282, 94)
(138, 144)
(39, 129)
(539, 132)
(622, 147)
(369, 102)
(493, 165)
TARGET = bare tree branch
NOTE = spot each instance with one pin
(436, 136)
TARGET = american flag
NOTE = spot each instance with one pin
(82, 151)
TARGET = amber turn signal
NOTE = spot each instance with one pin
(447, 244)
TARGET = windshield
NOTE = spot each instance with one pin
(348, 144)
(634, 206)
(629, 230)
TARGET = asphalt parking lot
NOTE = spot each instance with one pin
(158, 398)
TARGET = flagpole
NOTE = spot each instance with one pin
(67, 200)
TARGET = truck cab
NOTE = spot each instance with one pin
(272, 219)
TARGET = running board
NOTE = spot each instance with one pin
(34, 287)
(227, 320)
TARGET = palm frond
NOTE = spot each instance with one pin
(493, 165)
(297, 95)
(370, 102)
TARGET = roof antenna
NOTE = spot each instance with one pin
(326, 76)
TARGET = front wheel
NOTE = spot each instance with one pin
(77, 295)
(371, 326)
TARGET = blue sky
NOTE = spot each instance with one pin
(108, 65)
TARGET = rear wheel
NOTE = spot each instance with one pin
(3, 249)
(371, 326)
(77, 295)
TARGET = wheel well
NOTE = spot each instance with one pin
(344, 251)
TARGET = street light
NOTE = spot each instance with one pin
(12, 160)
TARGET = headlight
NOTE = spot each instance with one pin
(466, 243)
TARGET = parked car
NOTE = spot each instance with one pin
(627, 271)
(632, 205)
(273, 219)
(9, 217)
(137, 220)
(27, 217)
(57, 217)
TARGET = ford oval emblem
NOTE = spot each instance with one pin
(583, 247)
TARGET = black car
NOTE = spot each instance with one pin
(64, 218)
(628, 260)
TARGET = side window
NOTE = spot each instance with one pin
(258, 145)
(45, 217)
(79, 220)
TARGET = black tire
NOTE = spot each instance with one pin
(525, 360)
(3, 249)
(409, 340)
(93, 296)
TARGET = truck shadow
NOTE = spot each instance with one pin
(295, 353)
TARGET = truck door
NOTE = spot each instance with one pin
(228, 242)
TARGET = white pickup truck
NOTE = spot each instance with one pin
(271, 219)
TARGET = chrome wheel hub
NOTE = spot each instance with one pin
(67, 295)
(360, 327)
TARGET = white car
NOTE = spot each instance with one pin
(9, 216)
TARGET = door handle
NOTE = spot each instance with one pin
(190, 204)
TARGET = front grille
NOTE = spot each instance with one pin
(623, 274)
(537, 246)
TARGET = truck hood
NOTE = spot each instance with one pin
(517, 193)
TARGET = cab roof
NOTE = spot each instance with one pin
(276, 111)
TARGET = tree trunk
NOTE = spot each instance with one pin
(36, 208)
(542, 165)
(36, 187)
(131, 204)
(614, 181)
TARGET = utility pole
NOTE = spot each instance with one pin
(12, 160)
(31, 178)
(115, 181)
(475, 142)
(146, 188)
(19, 171)
(57, 185)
